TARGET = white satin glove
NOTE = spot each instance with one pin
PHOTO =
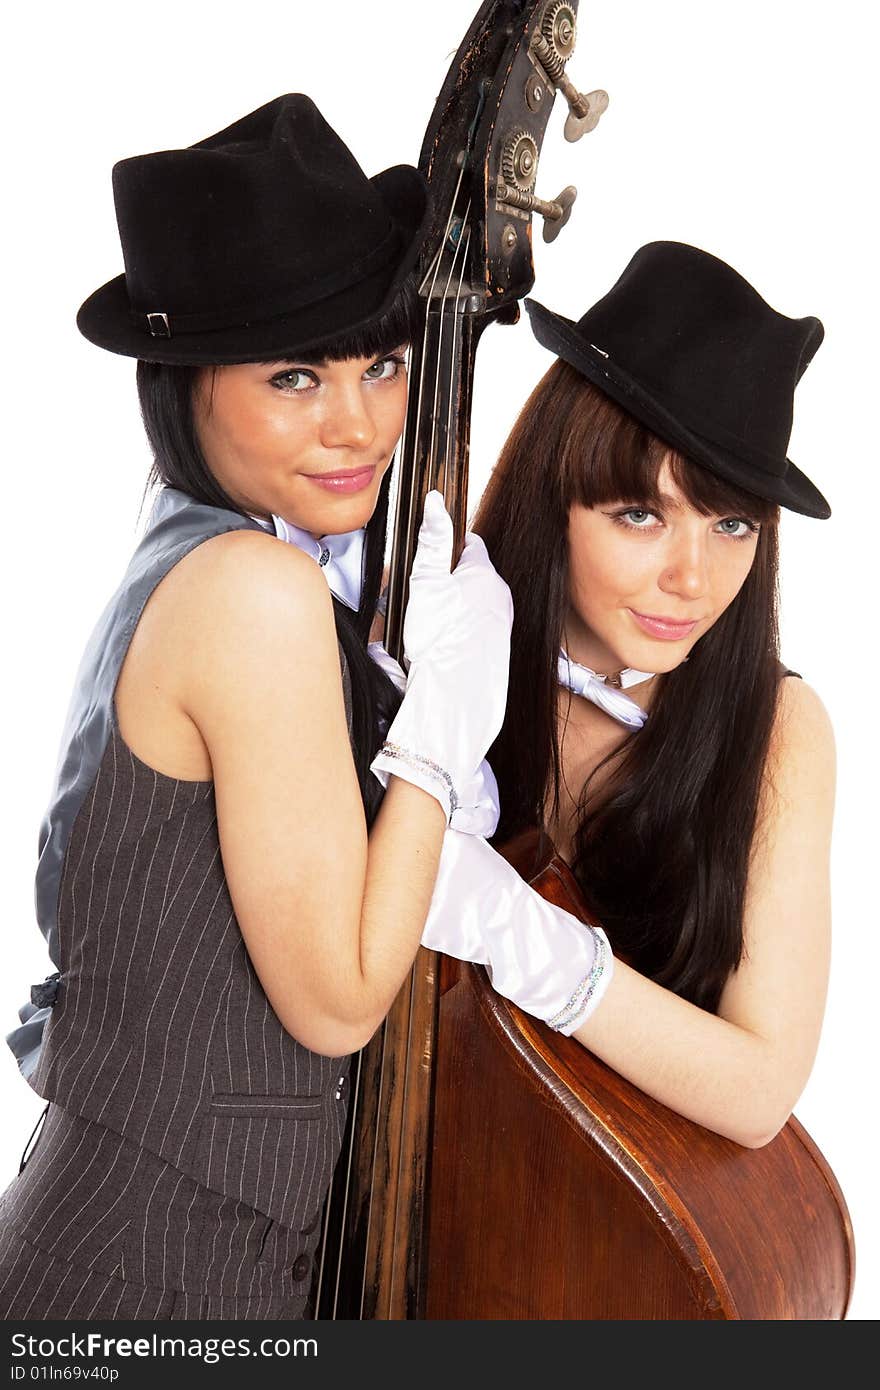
(551, 965)
(479, 810)
(393, 669)
(456, 638)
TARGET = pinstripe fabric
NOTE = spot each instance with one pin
(161, 1030)
(160, 1034)
(97, 1227)
(177, 525)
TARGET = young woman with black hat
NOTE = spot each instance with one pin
(228, 900)
(651, 728)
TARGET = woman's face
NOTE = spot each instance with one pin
(644, 586)
(308, 443)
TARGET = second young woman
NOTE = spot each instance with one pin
(651, 729)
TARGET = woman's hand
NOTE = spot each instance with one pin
(479, 810)
(538, 955)
(457, 646)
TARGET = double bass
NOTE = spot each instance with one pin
(492, 1168)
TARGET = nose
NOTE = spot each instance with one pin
(687, 569)
(348, 422)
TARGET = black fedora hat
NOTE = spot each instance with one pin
(685, 345)
(263, 239)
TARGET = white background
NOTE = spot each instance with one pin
(745, 129)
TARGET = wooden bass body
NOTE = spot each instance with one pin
(560, 1190)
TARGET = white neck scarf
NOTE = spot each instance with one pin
(582, 681)
(340, 557)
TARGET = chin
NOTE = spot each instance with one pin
(334, 515)
(344, 514)
(668, 664)
(658, 658)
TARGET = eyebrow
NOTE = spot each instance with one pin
(662, 499)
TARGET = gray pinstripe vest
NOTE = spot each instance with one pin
(156, 1025)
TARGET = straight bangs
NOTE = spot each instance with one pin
(607, 456)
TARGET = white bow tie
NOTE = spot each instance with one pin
(582, 681)
(340, 557)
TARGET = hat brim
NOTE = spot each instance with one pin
(562, 337)
(106, 318)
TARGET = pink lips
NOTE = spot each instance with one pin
(664, 628)
(352, 481)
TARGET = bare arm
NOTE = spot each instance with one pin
(331, 919)
(740, 1073)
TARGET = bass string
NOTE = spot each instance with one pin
(460, 252)
(432, 274)
(409, 501)
(457, 329)
(462, 247)
(435, 264)
(459, 246)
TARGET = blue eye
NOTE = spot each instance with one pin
(295, 380)
(637, 518)
(388, 369)
(737, 527)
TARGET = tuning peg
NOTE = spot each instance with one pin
(553, 45)
(555, 214)
(586, 110)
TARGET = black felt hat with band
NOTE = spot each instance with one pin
(263, 239)
(685, 345)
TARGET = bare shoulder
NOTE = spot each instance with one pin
(217, 631)
(237, 609)
(801, 762)
(246, 586)
(802, 724)
(243, 566)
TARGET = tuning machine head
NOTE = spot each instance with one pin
(555, 214)
(558, 212)
(557, 36)
(552, 44)
(519, 161)
(584, 114)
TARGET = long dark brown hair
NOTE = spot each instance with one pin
(662, 849)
